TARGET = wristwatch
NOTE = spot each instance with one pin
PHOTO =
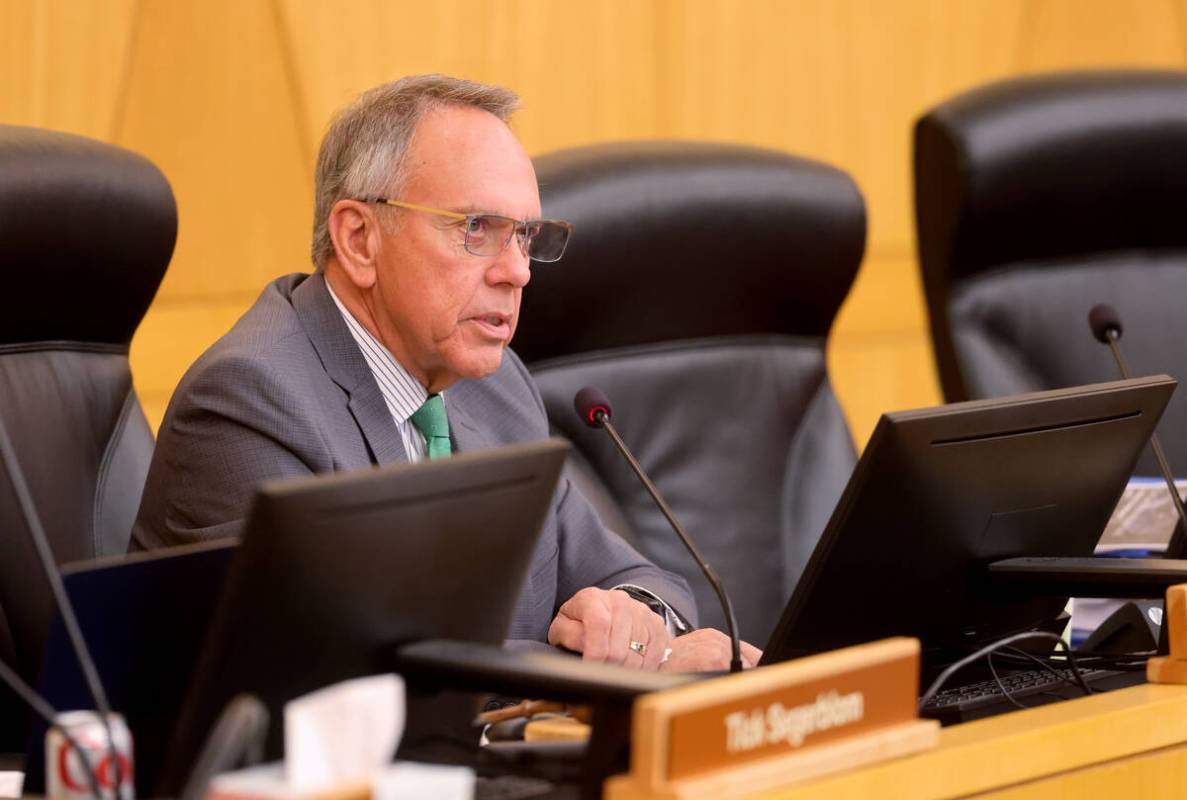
(676, 624)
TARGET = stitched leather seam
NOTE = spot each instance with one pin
(104, 464)
(65, 345)
(716, 342)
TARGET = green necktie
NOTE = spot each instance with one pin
(433, 424)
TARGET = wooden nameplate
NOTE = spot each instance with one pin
(1172, 668)
(777, 726)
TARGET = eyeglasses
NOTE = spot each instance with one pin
(488, 235)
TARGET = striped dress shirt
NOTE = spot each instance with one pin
(402, 393)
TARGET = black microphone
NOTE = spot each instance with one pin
(238, 737)
(1105, 323)
(1106, 327)
(593, 407)
(16, 478)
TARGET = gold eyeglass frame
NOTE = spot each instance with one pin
(518, 231)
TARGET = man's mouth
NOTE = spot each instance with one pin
(496, 326)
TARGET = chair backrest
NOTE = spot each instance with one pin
(1037, 198)
(698, 291)
(86, 230)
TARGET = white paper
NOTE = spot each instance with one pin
(405, 780)
(10, 783)
(1144, 517)
(342, 734)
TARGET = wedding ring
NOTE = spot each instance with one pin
(638, 647)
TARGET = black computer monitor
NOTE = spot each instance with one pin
(335, 571)
(940, 493)
(143, 617)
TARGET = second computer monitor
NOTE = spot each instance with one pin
(941, 493)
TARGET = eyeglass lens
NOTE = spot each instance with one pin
(548, 241)
(489, 235)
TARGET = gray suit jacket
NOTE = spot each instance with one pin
(286, 392)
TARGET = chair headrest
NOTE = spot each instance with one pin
(678, 240)
(86, 231)
(1051, 167)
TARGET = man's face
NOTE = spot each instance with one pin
(444, 313)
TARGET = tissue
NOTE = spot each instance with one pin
(342, 734)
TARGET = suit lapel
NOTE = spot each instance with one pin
(340, 356)
(464, 430)
(375, 421)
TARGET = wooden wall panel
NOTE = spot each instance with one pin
(879, 351)
(210, 101)
(339, 49)
(22, 53)
(906, 58)
(873, 373)
(839, 81)
(63, 63)
(584, 71)
(1068, 34)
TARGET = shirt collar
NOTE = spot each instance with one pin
(402, 393)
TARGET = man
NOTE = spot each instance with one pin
(396, 349)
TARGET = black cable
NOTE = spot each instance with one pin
(1061, 677)
(1127, 665)
(1072, 665)
(1112, 335)
(1001, 687)
(952, 669)
(1134, 660)
(1128, 654)
(731, 622)
(238, 736)
(44, 710)
(1026, 659)
(16, 478)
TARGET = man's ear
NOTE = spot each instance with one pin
(354, 230)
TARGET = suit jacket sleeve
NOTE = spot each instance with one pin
(230, 425)
(590, 554)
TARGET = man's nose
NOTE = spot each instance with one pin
(512, 266)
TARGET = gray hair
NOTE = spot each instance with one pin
(363, 152)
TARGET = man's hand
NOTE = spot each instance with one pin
(602, 625)
(706, 649)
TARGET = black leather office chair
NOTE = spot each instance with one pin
(698, 291)
(86, 231)
(1036, 199)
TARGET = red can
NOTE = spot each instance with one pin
(65, 776)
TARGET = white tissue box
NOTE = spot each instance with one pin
(406, 779)
(399, 781)
(267, 781)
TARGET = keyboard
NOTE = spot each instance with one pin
(514, 787)
(1028, 687)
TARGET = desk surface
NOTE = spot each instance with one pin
(1127, 743)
